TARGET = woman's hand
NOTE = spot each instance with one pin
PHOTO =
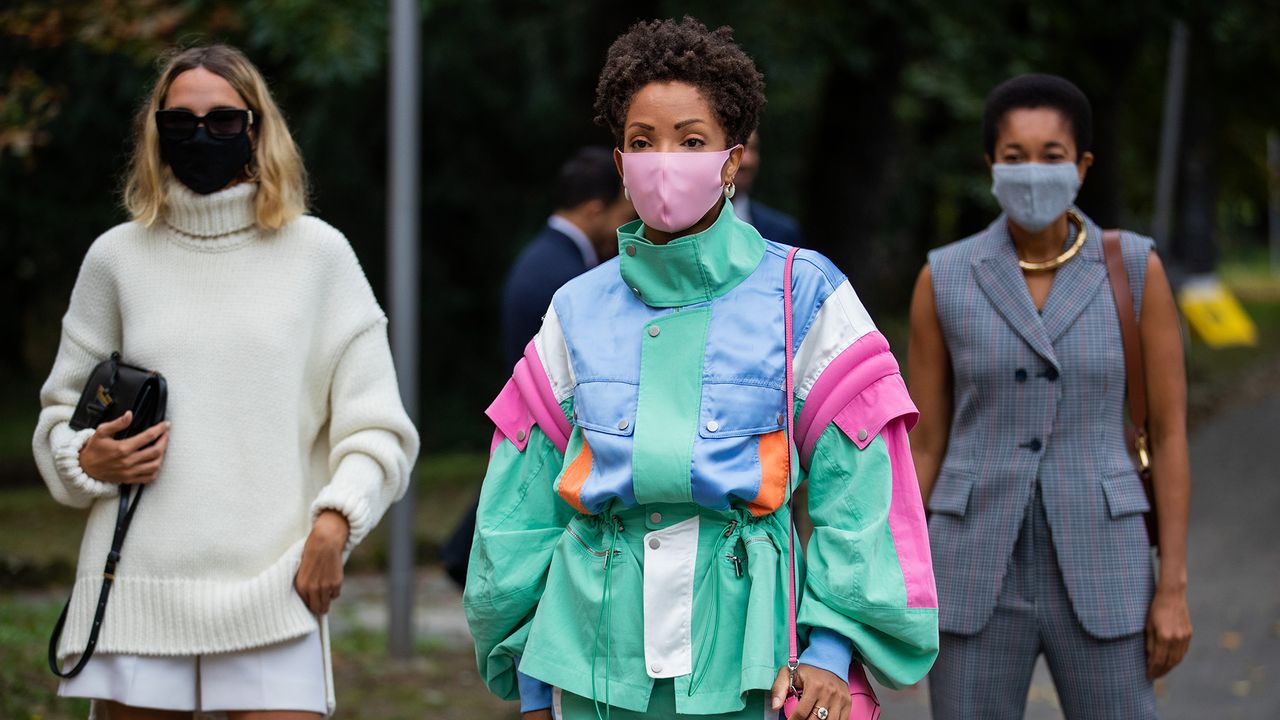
(818, 688)
(319, 578)
(1168, 631)
(127, 461)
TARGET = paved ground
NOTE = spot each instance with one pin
(1233, 669)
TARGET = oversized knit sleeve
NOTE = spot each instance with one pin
(372, 442)
(869, 591)
(520, 517)
(90, 333)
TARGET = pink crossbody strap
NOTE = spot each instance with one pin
(793, 653)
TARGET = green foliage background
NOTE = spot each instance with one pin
(870, 136)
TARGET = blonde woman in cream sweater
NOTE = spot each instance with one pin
(285, 441)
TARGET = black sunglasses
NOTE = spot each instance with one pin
(223, 124)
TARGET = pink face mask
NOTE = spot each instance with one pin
(673, 190)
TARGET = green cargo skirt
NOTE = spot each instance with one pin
(587, 633)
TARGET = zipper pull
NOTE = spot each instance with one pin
(737, 564)
(733, 525)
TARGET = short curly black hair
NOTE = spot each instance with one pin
(685, 51)
(1036, 91)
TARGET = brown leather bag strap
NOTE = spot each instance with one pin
(1135, 374)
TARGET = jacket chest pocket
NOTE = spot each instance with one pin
(742, 449)
(606, 407)
(736, 410)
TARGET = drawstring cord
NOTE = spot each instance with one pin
(708, 653)
(605, 619)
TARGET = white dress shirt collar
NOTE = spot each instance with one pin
(579, 238)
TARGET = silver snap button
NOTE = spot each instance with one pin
(520, 436)
(654, 544)
(623, 424)
(655, 518)
(631, 250)
(636, 291)
(654, 330)
(713, 426)
(862, 435)
(656, 668)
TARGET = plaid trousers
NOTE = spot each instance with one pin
(987, 675)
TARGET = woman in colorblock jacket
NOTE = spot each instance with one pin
(631, 545)
(285, 438)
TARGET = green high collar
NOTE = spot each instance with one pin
(692, 269)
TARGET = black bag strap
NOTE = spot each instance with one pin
(124, 516)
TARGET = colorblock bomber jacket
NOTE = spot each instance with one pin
(633, 520)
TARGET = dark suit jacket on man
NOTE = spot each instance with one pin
(550, 260)
(775, 225)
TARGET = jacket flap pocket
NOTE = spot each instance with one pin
(1125, 494)
(951, 493)
(733, 410)
(605, 406)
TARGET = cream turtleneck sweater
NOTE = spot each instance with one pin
(283, 402)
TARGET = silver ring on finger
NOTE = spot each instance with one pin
(820, 713)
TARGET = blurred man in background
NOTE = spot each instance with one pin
(580, 234)
(773, 224)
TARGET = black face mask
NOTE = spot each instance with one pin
(204, 163)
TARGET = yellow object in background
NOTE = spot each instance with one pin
(1215, 314)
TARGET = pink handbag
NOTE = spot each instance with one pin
(863, 704)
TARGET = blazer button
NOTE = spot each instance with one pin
(1050, 373)
(1020, 375)
(1034, 445)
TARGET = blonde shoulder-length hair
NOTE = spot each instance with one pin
(276, 164)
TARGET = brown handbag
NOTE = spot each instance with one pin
(1137, 436)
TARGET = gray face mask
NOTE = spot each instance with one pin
(1034, 194)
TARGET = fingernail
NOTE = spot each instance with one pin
(777, 702)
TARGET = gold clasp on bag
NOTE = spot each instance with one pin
(1144, 455)
(104, 397)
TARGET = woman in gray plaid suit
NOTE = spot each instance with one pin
(1017, 365)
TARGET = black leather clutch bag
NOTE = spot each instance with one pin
(113, 389)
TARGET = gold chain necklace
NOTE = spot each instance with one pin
(1066, 256)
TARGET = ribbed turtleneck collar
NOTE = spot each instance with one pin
(213, 216)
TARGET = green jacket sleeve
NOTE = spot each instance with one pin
(868, 572)
(518, 523)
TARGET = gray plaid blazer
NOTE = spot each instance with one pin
(1037, 396)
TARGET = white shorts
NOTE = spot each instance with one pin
(285, 676)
